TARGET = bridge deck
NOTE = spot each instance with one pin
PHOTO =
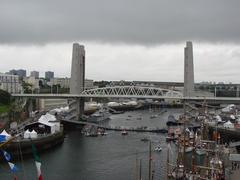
(73, 96)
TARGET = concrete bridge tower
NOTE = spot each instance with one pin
(77, 81)
(188, 71)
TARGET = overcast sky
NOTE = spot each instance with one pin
(124, 39)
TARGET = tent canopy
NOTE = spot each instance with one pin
(4, 133)
(44, 119)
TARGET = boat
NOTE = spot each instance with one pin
(124, 132)
(145, 139)
(93, 135)
(178, 172)
(160, 131)
(158, 149)
(172, 121)
(171, 138)
(172, 135)
(113, 111)
(124, 106)
(99, 116)
(153, 116)
(187, 149)
(43, 133)
(104, 134)
(117, 112)
(200, 151)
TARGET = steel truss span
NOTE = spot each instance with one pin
(131, 91)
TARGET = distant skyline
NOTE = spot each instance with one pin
(123, 43)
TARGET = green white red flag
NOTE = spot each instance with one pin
(37, 162)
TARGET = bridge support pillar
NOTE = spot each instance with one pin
(77, 80)
(79, 108)
(188, 71)
(30, 107)
(237, 93)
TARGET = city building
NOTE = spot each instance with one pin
(33, 81)
(10, 83)
(20, 72)
(34, 74)
(48, 104)
(49, 75)
(65, 83)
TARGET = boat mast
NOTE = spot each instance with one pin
(150, 161)
(8, 141)
(168, 160)
(140, 169)
(184, 134)
(193, 155)
(136, 173)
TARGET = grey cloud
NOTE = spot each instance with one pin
(122, 21)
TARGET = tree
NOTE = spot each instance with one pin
(27, 88)
(4, 97)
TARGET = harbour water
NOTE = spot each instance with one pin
(106, 157)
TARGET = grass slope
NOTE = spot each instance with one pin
(4, 108)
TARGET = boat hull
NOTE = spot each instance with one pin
(41, 144)
(200, 152)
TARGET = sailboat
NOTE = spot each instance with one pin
(158, 148)
(124, 132)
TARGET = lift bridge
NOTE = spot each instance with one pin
(129, 92)
(137, 92)
(78, 93)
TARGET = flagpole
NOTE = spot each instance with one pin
(8, 141)
(140, 169)
(37, 161)
(167, 160)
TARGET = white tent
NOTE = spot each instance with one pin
(27, 134)
(33, 134)
(46, 120)
(4, 132)
(113, 104)
(50, 117)
(59, 110)
(219, 119)
(228, 108)
(56, 110)
(228, 124)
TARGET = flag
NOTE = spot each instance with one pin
(3, 138)
(37, 162)
(13, 167)
(7, 156)
(15, 177)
